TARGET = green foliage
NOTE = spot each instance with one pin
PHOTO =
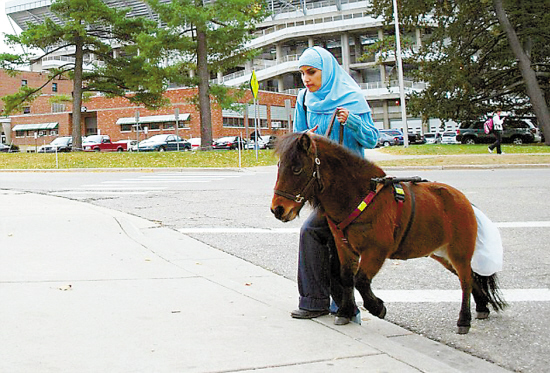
(228, 25)
(465, 57)
(94, 27)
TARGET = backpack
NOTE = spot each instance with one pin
(488, 126)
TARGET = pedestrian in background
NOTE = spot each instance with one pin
(497, 131)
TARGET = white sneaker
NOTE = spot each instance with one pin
(490, 150)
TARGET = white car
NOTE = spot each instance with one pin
(449, 138)
(131, 145)
(252, 144)
(195, 143)
(432, 138)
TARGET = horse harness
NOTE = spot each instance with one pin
(377, 184)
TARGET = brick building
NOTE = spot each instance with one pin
(42, 121)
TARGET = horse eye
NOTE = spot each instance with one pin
(296, 170)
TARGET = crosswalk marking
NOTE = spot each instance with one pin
(147, 184)
(519, 224)
(445, 296)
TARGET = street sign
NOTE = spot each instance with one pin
(254, 85)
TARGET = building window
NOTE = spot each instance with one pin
(262, 124)
(58, 108)
(24, 82)
(233, 122)
(27, 110)
(54, 87)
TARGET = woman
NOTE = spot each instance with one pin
(497, 131)
(328, 88)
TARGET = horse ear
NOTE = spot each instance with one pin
(304, 141)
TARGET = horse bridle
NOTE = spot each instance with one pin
(315, 176)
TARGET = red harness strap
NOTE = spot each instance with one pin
(339, 228)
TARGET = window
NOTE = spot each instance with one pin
(54, 87)
(262, 124)
(27, 110)
(24, 82)
(233, 122)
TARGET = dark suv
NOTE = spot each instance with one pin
(516, 130)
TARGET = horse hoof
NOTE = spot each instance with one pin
(382, 313)
(463, 329)
(340, 320)
(482, 315)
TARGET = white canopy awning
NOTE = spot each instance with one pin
(154, 119)
(38, 126)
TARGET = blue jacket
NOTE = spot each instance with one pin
(359, 130)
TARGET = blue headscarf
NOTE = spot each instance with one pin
(338, 89)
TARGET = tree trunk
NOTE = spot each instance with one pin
(204, 96)
(77, 97)
(529, 77)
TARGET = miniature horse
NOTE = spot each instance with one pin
(373, 217)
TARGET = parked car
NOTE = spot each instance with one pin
(166, 142)
(270, 141)
(229, 142)
(416, 138)
(102, 143)
(60, 144)
(432, 138)
(252, 144)
(397, 134)
(195, 143)
(386, 140)
(4, 148)
(449, 138)
(516, 130)
(131, 145)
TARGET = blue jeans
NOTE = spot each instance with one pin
(318, 265)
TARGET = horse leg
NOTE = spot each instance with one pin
(464, 273)
(348, 267)
(479, 286)
(368, 268)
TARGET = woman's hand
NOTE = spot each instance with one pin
(342, 115)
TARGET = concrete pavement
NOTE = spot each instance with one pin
(88, 289)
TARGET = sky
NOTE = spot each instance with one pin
(5, 26)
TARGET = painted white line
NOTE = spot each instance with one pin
(140, 181)
(445, 296)
(186, 176)
(99, 188)
(105, 192)
(524, 224)
(239, 230)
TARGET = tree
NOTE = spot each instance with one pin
(468, 62)
(206, 37)
(90, 27)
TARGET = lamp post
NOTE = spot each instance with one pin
(400, 72)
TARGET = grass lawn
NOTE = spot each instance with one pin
(215, 159)
(426, 155)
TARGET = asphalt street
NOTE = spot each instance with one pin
(229, 210)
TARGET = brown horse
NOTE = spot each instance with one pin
(373, 217)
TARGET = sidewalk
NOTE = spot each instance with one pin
(88, 289)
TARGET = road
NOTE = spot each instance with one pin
(229, 210)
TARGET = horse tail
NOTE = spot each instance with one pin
(488, 285)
